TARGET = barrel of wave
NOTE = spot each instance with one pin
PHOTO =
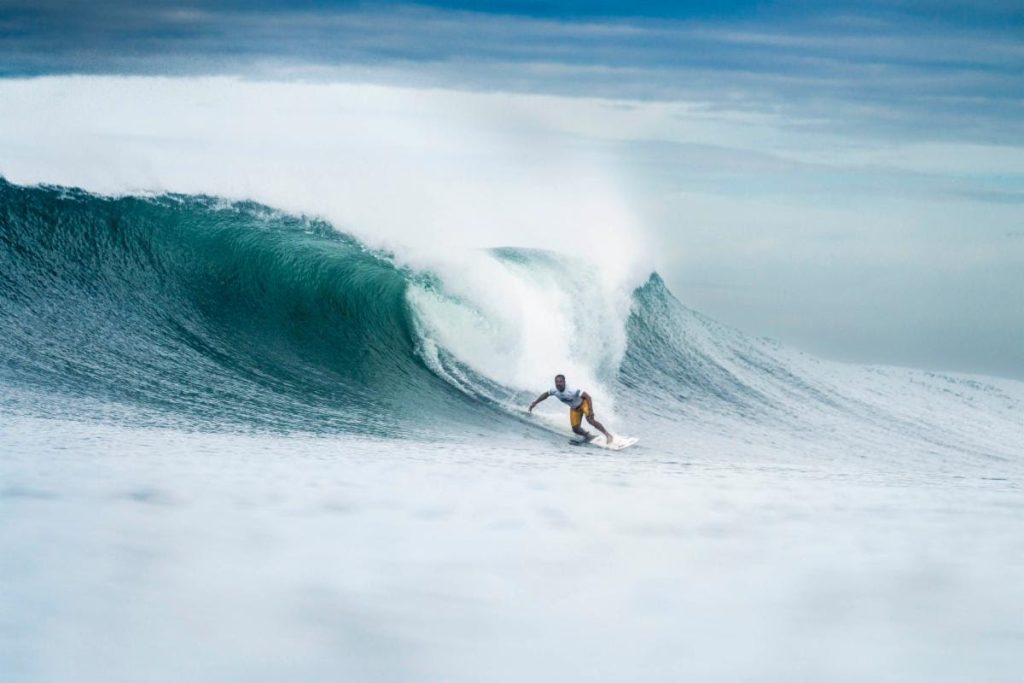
(499, 324)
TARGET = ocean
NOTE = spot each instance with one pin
(238, 443)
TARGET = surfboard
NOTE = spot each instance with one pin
(618, 444)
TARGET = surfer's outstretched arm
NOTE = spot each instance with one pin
(538, 400)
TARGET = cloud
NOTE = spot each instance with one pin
(853, 65)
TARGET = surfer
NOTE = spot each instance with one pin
(579, 403)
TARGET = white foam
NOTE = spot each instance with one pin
(401, 168)
(520, 323)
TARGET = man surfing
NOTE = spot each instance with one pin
(580, 404)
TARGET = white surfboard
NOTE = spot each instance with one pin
(617, 444)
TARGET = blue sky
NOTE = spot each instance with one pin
(845, 176)
(957, 63)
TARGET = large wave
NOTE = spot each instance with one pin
(211, 312)
(195, 311)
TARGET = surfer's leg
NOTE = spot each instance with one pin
(575, 418)
(597, 425)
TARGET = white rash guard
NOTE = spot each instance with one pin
(570, 397)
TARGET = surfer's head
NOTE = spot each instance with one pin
(560, 382)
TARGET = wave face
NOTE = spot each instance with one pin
(193, 311)
(196, 310)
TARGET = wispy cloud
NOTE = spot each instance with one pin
(886, 66)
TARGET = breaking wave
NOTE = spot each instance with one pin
(207, 314)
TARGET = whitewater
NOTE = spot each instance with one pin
(240, 440)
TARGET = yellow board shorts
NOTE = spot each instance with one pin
(576, 414)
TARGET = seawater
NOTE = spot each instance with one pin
(235, 444)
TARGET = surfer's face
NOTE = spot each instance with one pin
(560, 383)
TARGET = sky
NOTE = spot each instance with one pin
(846, 177)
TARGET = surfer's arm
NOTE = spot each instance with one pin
(539, 399)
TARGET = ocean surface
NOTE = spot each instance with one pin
(238, 444)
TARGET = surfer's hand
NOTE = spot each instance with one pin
(530, 409)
